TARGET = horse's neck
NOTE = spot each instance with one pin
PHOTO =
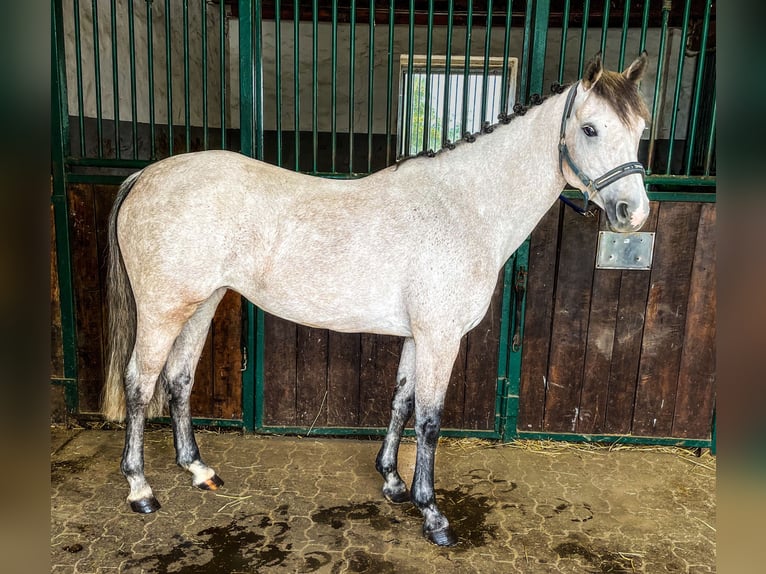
(512, 177)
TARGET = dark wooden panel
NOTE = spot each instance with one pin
(454, 402)
(481, 366)
(311, 376)
(626, 349)
(665, 318)
(537, 320)
(200, 402)
(57, 341)
(343, 379)
(570, 321)
(377, 378)
(279, 371)
(87, 295)
(226, 395)
(695, 397)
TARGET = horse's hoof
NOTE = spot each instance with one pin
(211, 483)
(399, 497)
(145, 505)
(441, 537)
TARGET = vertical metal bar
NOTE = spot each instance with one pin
(485, 71)
(115, 77)
(537, 73)
(389, 79)
(525, 51)
(187, 94)
(370, 84)
(694, 114)
(644, 27)
(624, 37)
(427, 100)
(408, 108)
(314, 82)
(296, 82)
(246, 79)
(257, 58)
(659, 89)
(278, 76)
(351, 74)
(203, 33)
(97, 66)
(583, 36)
(466, 67)
(334, 85)
(564, 34)
(222, 59)
(677, 91)
(447, 74)
(711, 138)
(133, 101)
(150, 72)
(604, 28)
(78, 65)
(169, 76)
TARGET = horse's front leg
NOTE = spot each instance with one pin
(402, 406)
(433, 368)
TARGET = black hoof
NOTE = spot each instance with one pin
(397, 497)
(441, 537)
(211, 483)
(145, 505)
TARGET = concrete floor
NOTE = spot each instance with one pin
(314, 505)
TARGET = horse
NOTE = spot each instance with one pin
(413, 250)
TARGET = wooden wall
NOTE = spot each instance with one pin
(621, 352)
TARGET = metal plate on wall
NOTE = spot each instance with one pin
(625, 250)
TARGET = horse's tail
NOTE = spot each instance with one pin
(121, 322)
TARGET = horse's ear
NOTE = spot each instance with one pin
(636, 70)
(593, 71)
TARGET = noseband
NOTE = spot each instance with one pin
(592, 186)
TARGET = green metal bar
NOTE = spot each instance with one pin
(296, 82)
(334, 86)
(207, 422)
(466, 67)
(258, 345)
(504, 95)
(604, 27)
(644, 27)
(314, 83)
(564, 35)
(97, 66)
(485, 71)
(105, 162)
(389, 79)
(714, 436)
(205, 118)
(248, 59)
(447, 75)
(115, 77)
(97, 178)
(78, 68)
(257, 65)
(278, 77)
(427, 99)
(679, 76)
(187, 94)
(659, 87)
(694, 115)
(501, 388)
(169, 76)
(370, 84)
(583, 36)
(407, 107)
(351, 75)
(525, 52)
(711, 138)
(372, 431)
(542, 13)
(71, 394)
(150, 72)
(133, 89)
(624, 37)
(246, 79)
(511, 410)
(685, 196)
(615, 439)
(59, 151)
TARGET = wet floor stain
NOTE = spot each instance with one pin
(62, 470)
(361, 562)
(601, 561)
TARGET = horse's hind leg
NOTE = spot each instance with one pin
(402, 406)
(179, 377)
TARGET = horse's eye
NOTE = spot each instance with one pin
(589, 131)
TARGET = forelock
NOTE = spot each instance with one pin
(622, 95)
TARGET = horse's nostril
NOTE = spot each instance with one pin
(623, 211)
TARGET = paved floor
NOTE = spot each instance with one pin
(314, 505)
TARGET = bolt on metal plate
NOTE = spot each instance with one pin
(625, 250)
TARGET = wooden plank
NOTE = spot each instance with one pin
(454, 402)
(343, 379)
(537, 320)
(201, 399)
(481, 366)
(695, 396)
(311, 376)
(570, 322)
(665, 319)
(279, 371)
(626, 346)
(226, 394)
(57, 339)
(377, 378)
(87, 295)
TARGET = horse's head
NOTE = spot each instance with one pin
(600, 132)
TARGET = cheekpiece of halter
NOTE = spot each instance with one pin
(592, 186)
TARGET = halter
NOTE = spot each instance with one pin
(593, 186)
